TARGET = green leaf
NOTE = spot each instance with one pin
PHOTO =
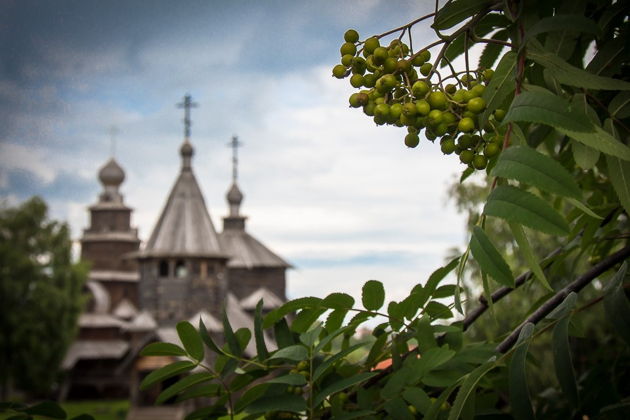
(438, 275)
(544, 107)
(305, 318)
(309, 337)
(296, 352)
(468, 388)
(432, 359)
(520, 401)
(562, 22)
(600, 140)
(562, 354)
(528, 166)
(328, 363)
(418, 398)
(335, 319)
(570, 75)
(373, 295)
(489, 259)
(584, 208)
(456, 11)
(341, 385)
(619, 175)
(284, 402)
(585, 157)
(528, 254)
(434, 410)
(616, 304)
(48, 409)
(205, 391)
(162, 349)
(619, 106)
(282, 333)
(289, 307)
(261, 347)
(397, 409)
(207, 339)
(492, 51)
(487, 292)
(338, 301)
(190, 339)
(425, 334)
(519, 206)
(437, 310)
(166, 372)
(184, 383)
(329, 338)
(501, 86)
(290, 379)
(230, 337)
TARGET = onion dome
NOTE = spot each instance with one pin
(111, 174)
(234, 195)
(186, 151)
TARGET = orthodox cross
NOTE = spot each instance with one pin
(234, 144)
(113, 131)
(187, 103)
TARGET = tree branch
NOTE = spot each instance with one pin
(557, 299)
(502, 292)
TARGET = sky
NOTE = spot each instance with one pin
(341, 199)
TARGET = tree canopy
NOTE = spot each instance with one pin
(40, 297)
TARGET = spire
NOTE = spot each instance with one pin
(234, 195)
(186, 150)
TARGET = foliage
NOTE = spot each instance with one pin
(549, 126)
(40, 296)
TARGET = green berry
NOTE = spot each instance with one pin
(381, 110)
(409, 109)
(479, 162)
(380, 55)
(466, 125)
(499, 114)
(423, 107)
(371, 44)
(339, 71)
(425, 69)
(447, 145)
(348, 48)
(420, 89)
(412, 140)
(491, 150)
(466, 156)
(435, 117)
(346, 60)
(351, 36)
(356, 80)
(437, 100)
(476, 105)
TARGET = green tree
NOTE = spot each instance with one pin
(549, 125)
(40, 297)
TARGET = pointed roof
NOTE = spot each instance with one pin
(125, 309)
(244, 250)
(270, 300)
(184, 227)
(144, 321)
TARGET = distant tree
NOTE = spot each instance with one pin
(40, 297)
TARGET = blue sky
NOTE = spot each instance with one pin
(341, 199)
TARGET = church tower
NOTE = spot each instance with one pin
(109, 239)
(182, 268)
(254, 271)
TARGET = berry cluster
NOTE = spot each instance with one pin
(397, 90)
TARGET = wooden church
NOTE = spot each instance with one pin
(186, 271)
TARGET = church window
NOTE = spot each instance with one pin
(163, 268)
(180, 269)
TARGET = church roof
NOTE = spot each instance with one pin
(94, 349)
(142, 322)
(125, 309)
(184, 227)
(270, 299)
(245, 251)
